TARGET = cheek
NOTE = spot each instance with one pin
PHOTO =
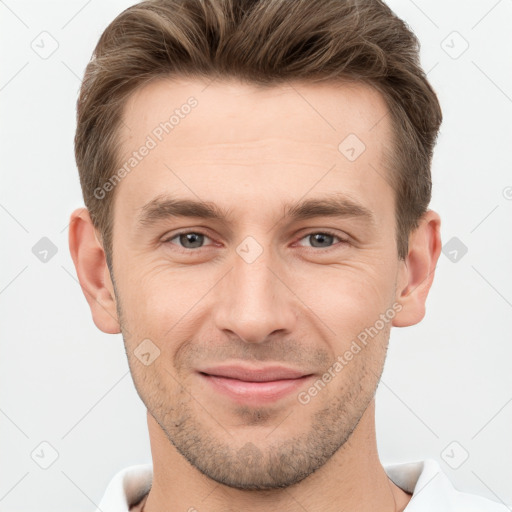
(349, 296)
(158, 300)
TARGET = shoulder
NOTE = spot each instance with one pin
(127, 488)
(431, 489)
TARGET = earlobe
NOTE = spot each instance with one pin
(92, 271)
(418, 270)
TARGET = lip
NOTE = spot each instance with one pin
(253, 384)
(254, 374)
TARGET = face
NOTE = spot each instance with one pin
(256, 322)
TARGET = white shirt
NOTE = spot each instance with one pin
(430, 488)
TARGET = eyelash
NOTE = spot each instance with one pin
(342, 241)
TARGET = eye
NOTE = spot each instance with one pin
(323, 239)
(189, 239)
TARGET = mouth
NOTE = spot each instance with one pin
(255, 385)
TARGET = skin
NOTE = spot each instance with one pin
(250, 151)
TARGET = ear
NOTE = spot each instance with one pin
(417, 271)
(92, 270)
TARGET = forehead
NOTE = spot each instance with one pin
(328, 107)
(213, 138)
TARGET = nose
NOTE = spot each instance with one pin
(255, 300)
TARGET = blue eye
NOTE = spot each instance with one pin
(190, 240)
(322, 237)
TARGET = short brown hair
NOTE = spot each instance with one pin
(261, 42)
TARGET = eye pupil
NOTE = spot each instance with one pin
(320, 237)
(195, 239)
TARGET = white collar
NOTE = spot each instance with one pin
(430, 488)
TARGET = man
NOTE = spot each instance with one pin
(257, 180)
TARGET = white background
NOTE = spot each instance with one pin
(65, 382)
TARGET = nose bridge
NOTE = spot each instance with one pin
(253, 302)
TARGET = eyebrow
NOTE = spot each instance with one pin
(164, 207)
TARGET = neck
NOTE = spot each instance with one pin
(353, 479)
